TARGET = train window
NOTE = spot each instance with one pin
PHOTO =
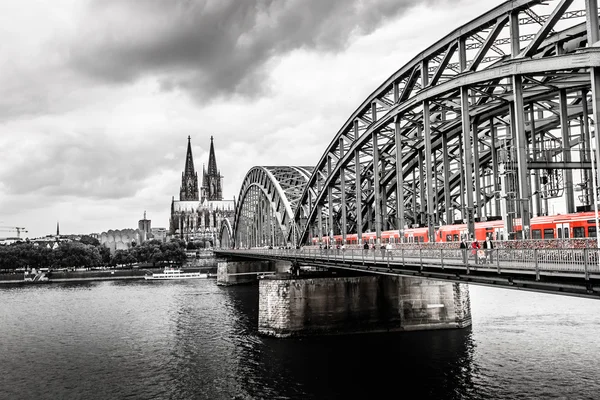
(578, 232)
(519, 235)
(455, 237)
(536, 234)
(548, 233)
(448, 238)
(591, 231)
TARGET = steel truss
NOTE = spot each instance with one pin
(454, 134)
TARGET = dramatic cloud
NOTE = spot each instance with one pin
(216, 48)
(73, 166)
(99, 96)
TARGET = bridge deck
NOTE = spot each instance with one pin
(574, 272)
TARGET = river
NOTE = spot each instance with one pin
(196, 340)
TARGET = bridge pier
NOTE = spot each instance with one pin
(242, 272)
(292, 306)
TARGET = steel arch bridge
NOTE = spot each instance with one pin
(489, 122)
(267, 204)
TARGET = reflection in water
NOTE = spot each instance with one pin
(438, 363)
(196, 340)
(371, 365)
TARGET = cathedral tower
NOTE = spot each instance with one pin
(197, 215)
(189, 178)
(211, 179)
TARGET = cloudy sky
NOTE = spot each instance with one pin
(98, 97)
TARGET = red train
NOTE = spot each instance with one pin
(577, 225)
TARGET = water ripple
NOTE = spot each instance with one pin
(195, 340)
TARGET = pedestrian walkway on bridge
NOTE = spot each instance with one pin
(566, 271)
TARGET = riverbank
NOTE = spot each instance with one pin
(95, 275)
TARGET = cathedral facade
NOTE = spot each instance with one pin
(198, 213)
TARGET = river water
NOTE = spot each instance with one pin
(196, 340)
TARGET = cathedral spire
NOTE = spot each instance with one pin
(212, 161)
(189, 160)
(211, 179)
(189, 178)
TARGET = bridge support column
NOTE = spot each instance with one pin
(339, 305)
(243, 272)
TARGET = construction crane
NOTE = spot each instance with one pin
(17, 229)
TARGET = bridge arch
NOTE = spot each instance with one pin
(267, 204)
(453, 135)
(225, 234)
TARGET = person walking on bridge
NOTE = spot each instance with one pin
(474, 249)
(388, 248)
(463, 249)
(488, 246)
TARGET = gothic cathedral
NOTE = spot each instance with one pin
(198, 214)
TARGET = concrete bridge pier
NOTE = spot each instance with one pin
(296, 306)
(247, 271)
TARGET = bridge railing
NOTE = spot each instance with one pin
(534, 260)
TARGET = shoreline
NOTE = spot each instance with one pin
(117, 278)
(89, 276)
(73, 279)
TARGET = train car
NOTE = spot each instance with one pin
(390, 236)
(561, 226)
(416, 235)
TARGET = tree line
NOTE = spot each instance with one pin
(88, 253)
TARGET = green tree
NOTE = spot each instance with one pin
(76, 255)
(9, 259)
(120, 257)
(86, 239)
(174, 251)
(104, 255)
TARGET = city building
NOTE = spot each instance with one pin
(145, 226)
(159, 234)
(123, 239)
(10, 240)
(198, 213)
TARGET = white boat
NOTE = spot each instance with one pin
(176, 273)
